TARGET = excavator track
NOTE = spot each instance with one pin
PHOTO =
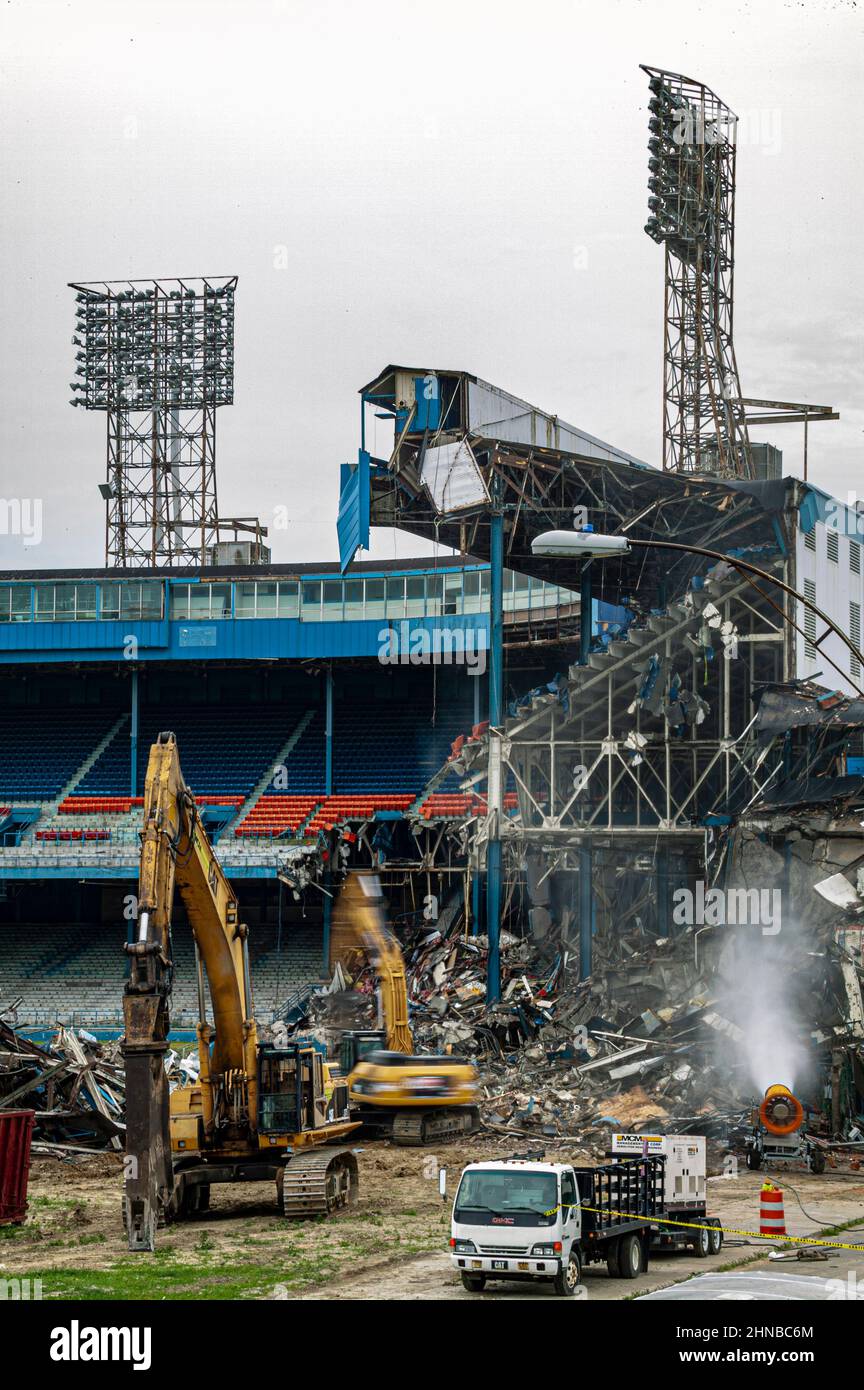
(413, 1129)
(319, 1182)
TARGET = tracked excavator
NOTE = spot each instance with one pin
(257, 1112)
(415, 1098)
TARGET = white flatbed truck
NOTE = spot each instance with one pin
(525, 1219)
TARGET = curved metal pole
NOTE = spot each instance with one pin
(746, 567)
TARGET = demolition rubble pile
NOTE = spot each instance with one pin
(635, 1045)
(649, 1040)
(76, 1086)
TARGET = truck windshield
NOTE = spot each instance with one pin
(517, 1198)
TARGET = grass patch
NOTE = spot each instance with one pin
(147, 1278)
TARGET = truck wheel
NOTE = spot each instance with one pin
(612, 1265)
(702, 1244)
(567, 1282)
(715, 1240)
(754, 1159)
(630, 1257)
(474, 1283)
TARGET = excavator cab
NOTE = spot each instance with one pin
(357, 1044)
(295, 1091)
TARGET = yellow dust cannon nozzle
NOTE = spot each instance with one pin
(781, 1112)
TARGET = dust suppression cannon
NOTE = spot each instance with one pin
(778, 1132)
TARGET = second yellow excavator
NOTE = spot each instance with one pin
(416, 1098)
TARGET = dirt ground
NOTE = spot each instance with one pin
(392, 1244)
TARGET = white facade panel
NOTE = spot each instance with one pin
(836, 585)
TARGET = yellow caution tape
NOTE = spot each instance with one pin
(727, 1230)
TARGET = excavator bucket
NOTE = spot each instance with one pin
(147, 1166)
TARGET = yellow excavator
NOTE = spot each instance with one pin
(416, 1098)
(257, 1112)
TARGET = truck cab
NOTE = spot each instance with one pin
(517, 1219)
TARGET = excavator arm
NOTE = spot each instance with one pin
(359, 917)
(176, 854)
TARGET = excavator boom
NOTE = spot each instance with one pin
(176, 853)
(359, 916)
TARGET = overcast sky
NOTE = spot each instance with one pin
(457, 185)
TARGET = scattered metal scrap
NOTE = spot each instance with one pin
(76, 1086)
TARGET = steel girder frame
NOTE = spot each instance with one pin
(162, 508)
(539, 490)
(647, 809)
(668, 783)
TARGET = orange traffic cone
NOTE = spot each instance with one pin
(772, 1217)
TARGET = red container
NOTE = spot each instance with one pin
(16, 1129)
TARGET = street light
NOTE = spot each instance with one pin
(579, 545)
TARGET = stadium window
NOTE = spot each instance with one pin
(109, 601)
(199, 602)
(179, 602)
(85, 602)
(354, 598)
(374, 598)
(152, 594)
(289, 598)
(434, 594)
(485, 581)
(15, 603)
(832, 546)
(521, 591)
(855, 636)
(43, 603)
(809, 621)
(21, 603)
(810, 539)
(244, 601)
(266, 599)
(396, 597)
(220, 600)
(311, 611)
(471, 590)
(854, 557)
(453, 593)
(415, 595)
(64, 602)
(332, 592)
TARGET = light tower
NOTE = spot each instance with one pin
(157, 356)
(692, 214)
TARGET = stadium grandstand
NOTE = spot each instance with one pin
(267, 675)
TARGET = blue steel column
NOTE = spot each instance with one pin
(328, 787)
(585, 613)
(133, 736)
(328, 730)
(496, 683)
